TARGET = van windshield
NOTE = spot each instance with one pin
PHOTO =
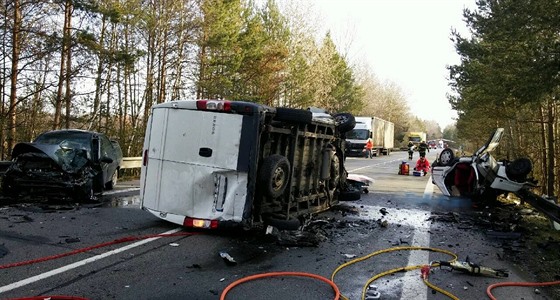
(358, 134)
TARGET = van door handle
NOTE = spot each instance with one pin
(205, 152)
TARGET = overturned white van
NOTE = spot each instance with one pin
(215, 163)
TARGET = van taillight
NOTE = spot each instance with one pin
(145, 158)
(200, 223)
(217, 105)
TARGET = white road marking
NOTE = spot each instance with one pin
(374, 165)
(429, 190)
(63, 269)
(411, 283)
(413, 287)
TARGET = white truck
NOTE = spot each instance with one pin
(382, 133)
(215, 163)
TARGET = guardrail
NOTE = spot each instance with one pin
(127, 163)
(131, 162)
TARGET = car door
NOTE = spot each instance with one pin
(107, 151)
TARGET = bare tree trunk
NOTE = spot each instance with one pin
(556, 149)
(176, 88)
(98, 86)
(201, 73)
(12, 119)
(162, 71)
(37, 98)
(68, 77)
(550, 146)
(149, 92)
(63, 57)
(3, 81)
(544, 150)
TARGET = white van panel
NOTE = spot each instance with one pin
(178, 180)
(183, 132)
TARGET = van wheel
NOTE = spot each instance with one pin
(274, 175)
(293, 115)
(345, 122)
(351, 195)
(282, 224)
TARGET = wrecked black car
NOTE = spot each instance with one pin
(72, 163)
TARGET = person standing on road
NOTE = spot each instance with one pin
(422, 148)
(369, 147)
(410, 147)
(422, 164)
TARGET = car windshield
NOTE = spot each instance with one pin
(73, 140)
(357, 134)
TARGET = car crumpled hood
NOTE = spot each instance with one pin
(70, 160)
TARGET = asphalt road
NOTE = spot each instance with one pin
(115, 250)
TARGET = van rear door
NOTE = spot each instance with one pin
(192, 164)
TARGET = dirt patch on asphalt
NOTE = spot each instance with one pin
(527, 237)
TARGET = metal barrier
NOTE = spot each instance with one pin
(131, 162)
(127, 163)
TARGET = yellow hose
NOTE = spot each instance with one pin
(407, 268)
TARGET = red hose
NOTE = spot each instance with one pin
(117, 241)
(273, 274)
(56, 297)
(499, 284)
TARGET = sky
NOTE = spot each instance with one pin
(406, 42)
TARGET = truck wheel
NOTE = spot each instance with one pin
(345, 122)
(446, 157)
(274, 175)
(293, 115)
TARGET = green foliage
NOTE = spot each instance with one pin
(508, 73)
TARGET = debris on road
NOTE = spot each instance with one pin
(228, 259)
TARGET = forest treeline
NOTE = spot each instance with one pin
(102, 65)
(509, 76)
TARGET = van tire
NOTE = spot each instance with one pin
(282, 224)
(285, 114)
(351, 195)
(274, 175)
(345, 122)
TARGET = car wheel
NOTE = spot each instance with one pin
(274, 175)
(345, 122)
(518, 169)
(446, 157)
(111, 184)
